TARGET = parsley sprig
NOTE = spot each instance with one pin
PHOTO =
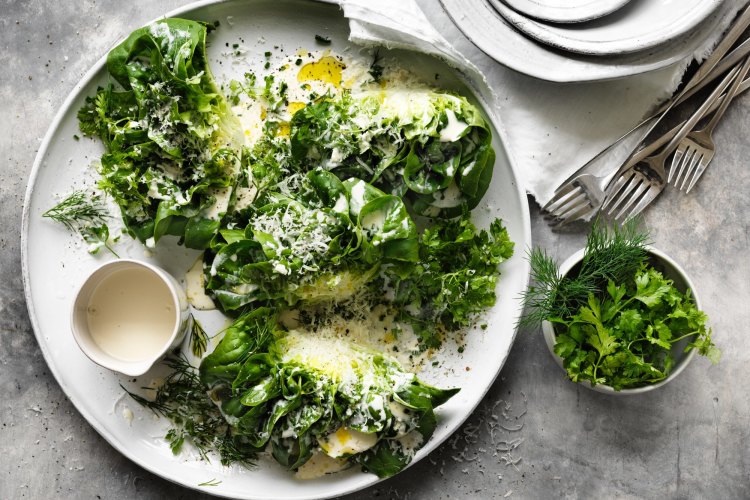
(456, 276)
(628, 336)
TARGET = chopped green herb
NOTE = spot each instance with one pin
(625, 338)
(182, 399)
(376, 69)
(210, 482)
(611, 254)
(198, 339)
(323, 40)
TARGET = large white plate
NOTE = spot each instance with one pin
(495, 36)
(54, 263)
(638, 26)
(565, 11)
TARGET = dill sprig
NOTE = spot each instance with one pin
(184, 400)
(611, 253)
(78, 209)
(198, 339)
(86, 215)
(614, 252)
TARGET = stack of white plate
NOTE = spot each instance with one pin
(586, 40)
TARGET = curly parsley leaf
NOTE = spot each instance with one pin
(457, 272)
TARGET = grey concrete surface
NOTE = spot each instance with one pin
(535, 435)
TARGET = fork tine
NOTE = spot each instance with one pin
(556, 218)
(554, 205)
(572, 208)
(645, 200)
(698, 172)
(640, 186)
(620, 187)
(571, 199)
(677, 162)
(676, 170)
(581, 213)
(691, 170)
(572, 204)
(562, 193)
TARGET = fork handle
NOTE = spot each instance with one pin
(695, 118)
(681, 130)
(738, 28)
(732, 59)
(713, 66)
(665, 138)
(728, 97)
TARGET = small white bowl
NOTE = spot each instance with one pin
(127, 314)
(671, 270)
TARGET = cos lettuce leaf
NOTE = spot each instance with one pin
(432, 148)
(171, 142)
(326, 243)
(294, 393)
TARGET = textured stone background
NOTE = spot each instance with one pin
(690, 439)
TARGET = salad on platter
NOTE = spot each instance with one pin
(332, 204)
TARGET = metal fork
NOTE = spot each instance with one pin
(697, 149)
(582, 194)
(643, 176)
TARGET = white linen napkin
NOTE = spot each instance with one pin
(549, 129)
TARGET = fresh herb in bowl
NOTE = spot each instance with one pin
(619, 314)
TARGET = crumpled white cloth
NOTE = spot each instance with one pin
(549, 129)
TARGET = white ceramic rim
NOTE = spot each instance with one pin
(549, 333)
(66, 107)
(102, 273)
(483, 26)
(569, 38)
(568, 12)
